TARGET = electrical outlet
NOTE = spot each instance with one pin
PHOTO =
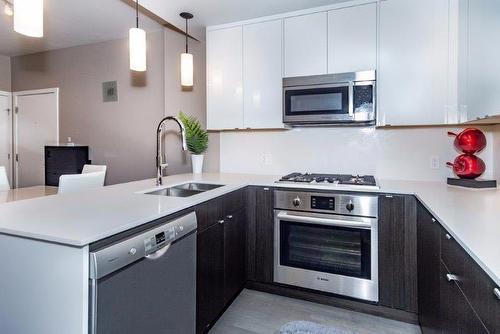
(435, 162)
(267, 159)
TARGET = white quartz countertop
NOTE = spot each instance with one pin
(472, 217)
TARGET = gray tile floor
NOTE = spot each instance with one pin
(261, 313)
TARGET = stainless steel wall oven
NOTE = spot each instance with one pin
(327, 242)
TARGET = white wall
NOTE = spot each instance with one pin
(5, 80)
(397, 153)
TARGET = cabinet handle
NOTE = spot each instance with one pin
(229, 216)
(451, 278)
(221, 221)
(496, 292)
(389, 196)
(266, 189)
(433, 220)
(448, 236)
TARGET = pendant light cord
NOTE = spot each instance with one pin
(187, 36)
(137, 13)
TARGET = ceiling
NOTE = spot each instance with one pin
(79, 22)
(213, 12)
(70, 23)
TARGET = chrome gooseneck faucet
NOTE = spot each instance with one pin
(160, 165)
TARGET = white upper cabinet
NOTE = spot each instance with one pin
(305, 42)
(262, 74)
(413, 63)
(352, 39)
(483, 67)
(225, 79)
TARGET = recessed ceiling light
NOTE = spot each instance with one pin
(28, 17)
(7, 9)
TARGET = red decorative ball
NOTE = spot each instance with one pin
(468, 166)
(469, 141)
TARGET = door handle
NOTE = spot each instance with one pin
(496, 292)
(229, 216)
(221, 221)
(351, 99)
(452, 278)
(159, 253)
(324, 221)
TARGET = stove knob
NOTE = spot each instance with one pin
(349, 206)
(296, 202)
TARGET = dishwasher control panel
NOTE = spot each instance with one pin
(159, 240)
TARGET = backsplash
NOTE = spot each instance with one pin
(396, 153)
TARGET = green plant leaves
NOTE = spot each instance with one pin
(196, 136)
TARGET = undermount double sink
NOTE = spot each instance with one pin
(185, 190)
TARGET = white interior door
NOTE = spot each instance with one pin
(36, 124)
(6, 133)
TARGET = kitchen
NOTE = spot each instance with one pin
(323, 205)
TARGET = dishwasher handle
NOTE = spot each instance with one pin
(159, 253)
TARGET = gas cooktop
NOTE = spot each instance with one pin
(364, 181)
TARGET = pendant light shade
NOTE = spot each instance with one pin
(187, 66)
(137, 44)
(187, 70)
(28, 17)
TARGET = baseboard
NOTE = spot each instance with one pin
(353, 305)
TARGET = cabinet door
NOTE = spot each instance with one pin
(483, 86)
(306, 45)
(428, 267)
(413, 62)
(398, 252)
(352, 39)
(457, 316)
(225, 78)
(262, 73)
(264, 243)
(234, 254)
(475, 284)
(210, 277)
(260, 234)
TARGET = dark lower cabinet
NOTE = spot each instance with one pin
(220, 256)
(260, 234)
(234, 254)
(210, 276)
(457, 316)
(454, 294)
(428, 267)
(398, 252)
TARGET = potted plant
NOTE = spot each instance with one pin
(196, 140)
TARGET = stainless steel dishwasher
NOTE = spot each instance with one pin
(146, 283)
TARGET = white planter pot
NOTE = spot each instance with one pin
(197, 163)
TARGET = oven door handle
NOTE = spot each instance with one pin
(325, 221)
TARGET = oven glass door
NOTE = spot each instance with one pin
(327, 249)
(317, 101)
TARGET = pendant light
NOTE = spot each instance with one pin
(187, 58)
(28, 17)
(137, 44)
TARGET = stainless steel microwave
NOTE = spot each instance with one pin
(344, 99)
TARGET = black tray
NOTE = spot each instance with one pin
(476, 184)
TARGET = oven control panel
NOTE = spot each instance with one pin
(323, 203)
(363, 205)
